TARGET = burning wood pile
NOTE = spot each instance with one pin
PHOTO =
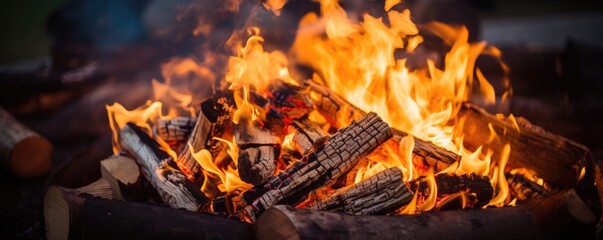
(311, 157)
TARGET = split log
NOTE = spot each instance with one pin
(307, 136)
(554, 158)
(123, 175)
(285, 222)
(338, 112)
(321, 167)
(523, 188)
(212, 122)
(176, 130)
(381, 193)
(448, 184)
(23, 151)
(71, 215)
(563, 215)
(171, 184)
(259, 149)
(100, 188)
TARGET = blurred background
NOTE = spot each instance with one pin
(554, 49)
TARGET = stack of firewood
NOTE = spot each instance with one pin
(316, 173)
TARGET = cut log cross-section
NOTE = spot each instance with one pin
(554, 158)
(23, 151)
(307, 136)
(381, 193)
(71, 215)
(286, 222)
(212, 121)
(339, 112)
(321, 167)
(171, 184)
(123, 175)
(258, 150)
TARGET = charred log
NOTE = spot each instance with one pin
(448, 184)
(175, 131)
(307, 136)
(554, 158)
(338, 111)
(71, 215)
(320, 167)
(523, 188)
(212, 121)
(381, 193)
(285, 222)
(171, 184)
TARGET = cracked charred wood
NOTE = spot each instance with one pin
(554, 158)
(123, 176)
(523, 188)
(448, 184)
(211, 122)
(24, 152)
(321, 167)
(288, 100)
(381, 193)
(338, 111)
(307, 135)
(171, 184)
(175, 131)
(286, 222)
(70, 214)
(259, 150)
(562, 215)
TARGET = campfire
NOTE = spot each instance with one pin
(356, 131)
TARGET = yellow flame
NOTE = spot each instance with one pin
(430, 201)
(499, 179)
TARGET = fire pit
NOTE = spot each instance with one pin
(356, 124)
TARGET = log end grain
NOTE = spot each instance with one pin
(31, 157)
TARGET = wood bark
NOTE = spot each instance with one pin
(211, 122)
(307, 135)
(23, 151)
(554, 158)
(381, 193)
(71, 215)
(562, 215)
(448, 184)
(338, 112)
(321, 167)
(123, 175)
(285, 222)
(171, 184)
(175, 130)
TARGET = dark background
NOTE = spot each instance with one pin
(554, 49)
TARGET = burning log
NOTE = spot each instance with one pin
(563, 215)
(554, 158)
(307, 136)
(259, 149)
(123, 176)
(24, 152)
(381, 193)
(524, 189)
(448, 184)
(285, 222)
(170, 183)
(71, 215)
(212, 122)
(336, 109)
(175, 131)
(319, 168)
